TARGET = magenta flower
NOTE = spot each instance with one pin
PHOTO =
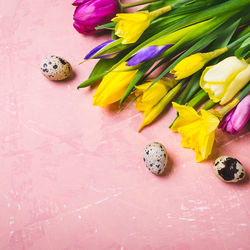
(237, 118)
(91, 13)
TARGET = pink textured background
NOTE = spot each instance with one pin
(72, 175)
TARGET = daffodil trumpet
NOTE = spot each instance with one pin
(198, 129)
(147, 97)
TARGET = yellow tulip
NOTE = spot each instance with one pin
(197, 130)
(223, 80)
(113, 86)
(130, 26)
(191, 64)
(148, 97)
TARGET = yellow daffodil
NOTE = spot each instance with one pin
(223, 80)
(157, 109)
(197, 130)
(191, 64)
(130, 26)
(147, 98)
(113, 86)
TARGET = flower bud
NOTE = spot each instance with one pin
(236, 119)
(91, 13)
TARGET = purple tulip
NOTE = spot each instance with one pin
(237, 118)
(91, 13)
(147, 54)
(98, 49)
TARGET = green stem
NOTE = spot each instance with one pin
(210, 104)
(198, 99)
(191, 88)
(244, 92)
(129, 5)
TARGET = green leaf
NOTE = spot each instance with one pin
(198, 99)
(191, 88)
(109, 26)
(224, 38)
(197, 46)
(218, 10)
(244, 50)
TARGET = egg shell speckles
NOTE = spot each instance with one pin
(229, 169)
(55, 68)
(155, 157)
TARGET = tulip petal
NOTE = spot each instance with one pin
(225, 69)
(91, 13)
(79, 2)
(241, 79)
(223, 80)
(241, 115)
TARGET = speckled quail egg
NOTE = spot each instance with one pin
(229, 169)
(155, 157)
(55, 68)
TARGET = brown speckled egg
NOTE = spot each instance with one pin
(228, 169)
(155, 157)
(55, 68)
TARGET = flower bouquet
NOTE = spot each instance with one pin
(203, 48)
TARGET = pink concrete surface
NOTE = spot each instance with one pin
(72, 175)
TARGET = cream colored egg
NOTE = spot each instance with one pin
(55, 68)
(155, 157)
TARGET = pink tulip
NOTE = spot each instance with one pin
(91, 13)
(237, 118)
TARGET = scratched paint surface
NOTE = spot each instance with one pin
(72, 175)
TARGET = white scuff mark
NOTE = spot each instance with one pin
(187, 219)
(115, 195)
(243, 224)
(133, 217)
(183, 207)
(79, 217)
(201, 208)
(101, 201)
(8, 204)
(169, 225)
(19, 206)
(122, 248)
